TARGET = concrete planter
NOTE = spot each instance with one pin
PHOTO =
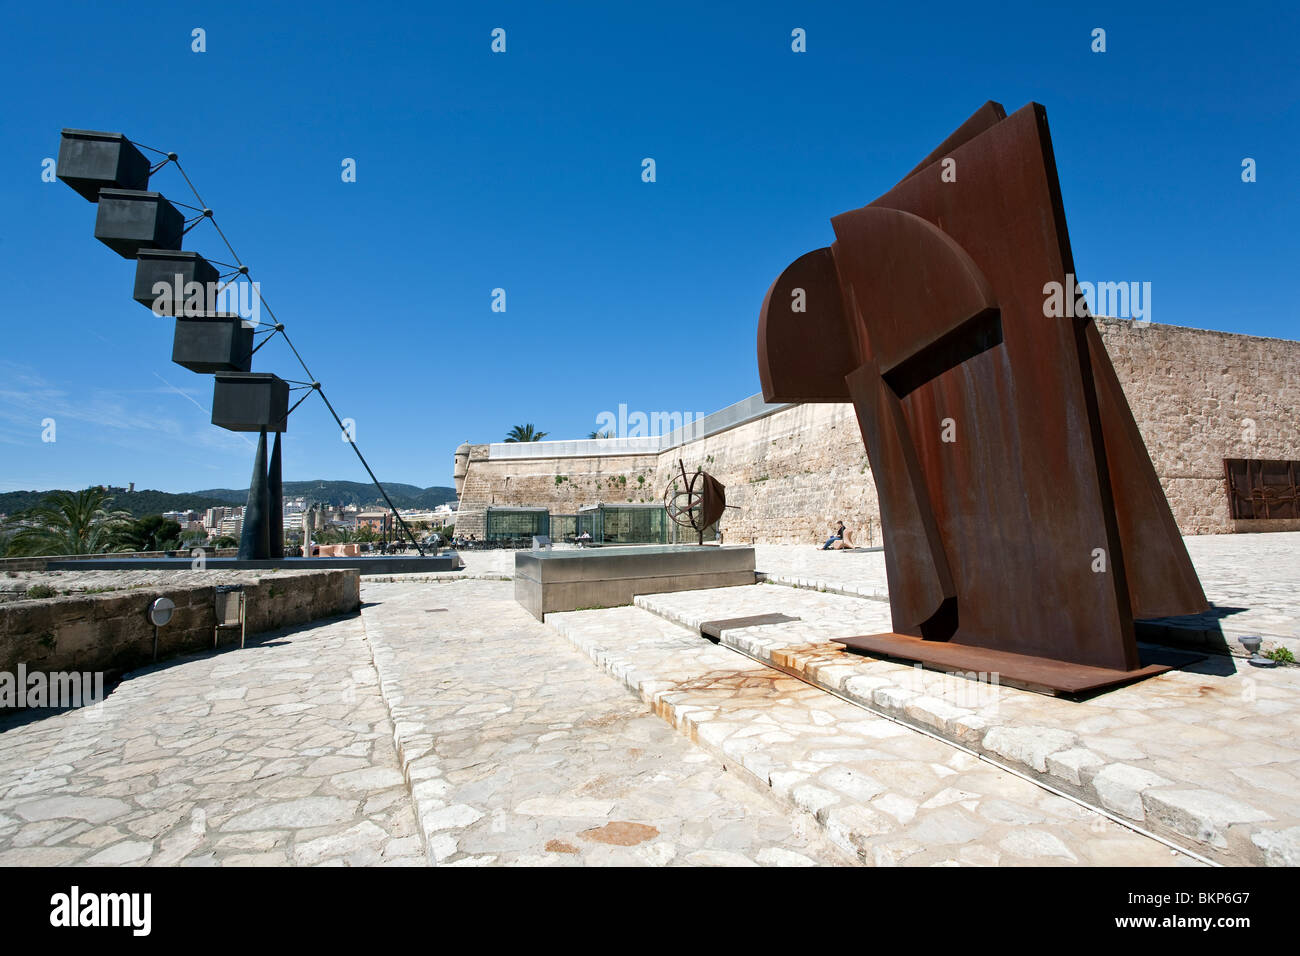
(130, 220)
(174, 267)
(218, 343)
(90, 161)
(250, 402)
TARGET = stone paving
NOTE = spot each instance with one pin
(1253, 580)
(445, 725)
(519, 752)
(1208, 756)
(281, 753)
(883, 792)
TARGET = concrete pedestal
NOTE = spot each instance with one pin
(547, 581)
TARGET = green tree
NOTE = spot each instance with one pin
(152, 533)
(605, 434)
(524, 433)
(225, 541)
(67, 522)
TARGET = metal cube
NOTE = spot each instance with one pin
(90, 161)
(250, 401)
(177, 269)
(219, 342)
(130, 220)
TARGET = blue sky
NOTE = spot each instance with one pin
(522, 171)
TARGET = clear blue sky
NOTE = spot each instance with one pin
(523, 171)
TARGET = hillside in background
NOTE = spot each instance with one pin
(339, 493)
(139, 503)
(336, 493)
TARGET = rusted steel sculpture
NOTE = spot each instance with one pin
(1025, 528)
(693, 507)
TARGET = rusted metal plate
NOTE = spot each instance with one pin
(1023, 670)
(1020, 510)
(1262, 489)
(713, 629)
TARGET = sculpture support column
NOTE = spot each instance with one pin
(254, 541)
(275, 493)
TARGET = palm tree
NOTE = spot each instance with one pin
(67, 523)
(605, 434)
(151, 533)
(524, 433)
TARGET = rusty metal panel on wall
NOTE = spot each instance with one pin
(1262, 489)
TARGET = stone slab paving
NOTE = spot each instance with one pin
(277, 754)
(884, 792)
(1208, 756)
(494, 565)
(1252, 580)
(519, 752)
(857, 573)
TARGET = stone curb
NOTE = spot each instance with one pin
(415, 756)
(810, 584)
(1205, 822)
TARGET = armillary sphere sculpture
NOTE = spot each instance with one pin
(1025, 527)
(698, 503)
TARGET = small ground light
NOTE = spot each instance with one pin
(1251, 644)
(160, 612)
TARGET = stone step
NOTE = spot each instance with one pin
(881, 791)
(1180, 755)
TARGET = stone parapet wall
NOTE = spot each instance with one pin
(38, 563)
(111, 632)
(789, 476)
(1197, 396)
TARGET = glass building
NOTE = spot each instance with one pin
(564, 527)
(625, 524)
(515, 527)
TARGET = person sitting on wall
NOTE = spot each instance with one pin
(840, 540)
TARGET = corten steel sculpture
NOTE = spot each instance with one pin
(692, 507)
(1025, 528)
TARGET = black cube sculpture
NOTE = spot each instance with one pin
(217, 342)
(250, 402)
(90, 161)
(166, 265)
(130, 220)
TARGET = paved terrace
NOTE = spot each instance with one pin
(444, 725)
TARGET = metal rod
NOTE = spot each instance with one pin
(391, 506)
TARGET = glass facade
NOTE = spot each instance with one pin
(685, 534)
(630, 524)
(515, 527)
(564, 527)
(587, 522)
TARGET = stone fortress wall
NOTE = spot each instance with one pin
(1198, 397)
